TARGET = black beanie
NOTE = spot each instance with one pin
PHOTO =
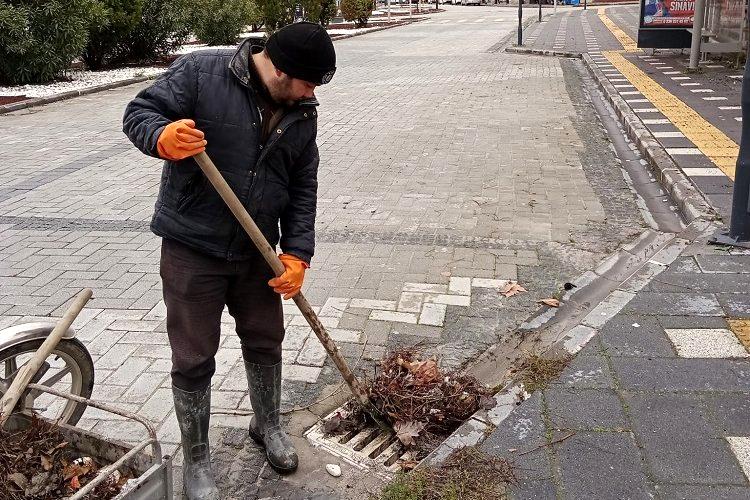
(303, 50)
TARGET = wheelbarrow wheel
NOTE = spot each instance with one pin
(68, 368)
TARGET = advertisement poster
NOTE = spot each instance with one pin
(667, 13)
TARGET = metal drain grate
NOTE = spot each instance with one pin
(367, 448)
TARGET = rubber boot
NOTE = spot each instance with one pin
(265, 426)
(193, 410)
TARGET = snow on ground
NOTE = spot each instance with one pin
(80, 80)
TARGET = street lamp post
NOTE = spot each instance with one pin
(540, 9)
(520, 22)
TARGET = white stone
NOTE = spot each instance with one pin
(461, 286)
(312, 354)
(410, 302)
(741, 448)
(295, 336)
(425, 287)
(301, 373)
(433, 314)
(383, 305)
(488, 283)
(333, 470)
(334, 307)
(342, 335)
(451, 300)
(706, 343)
(394, 316)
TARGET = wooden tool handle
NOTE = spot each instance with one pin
(28, 370)
(269, 254)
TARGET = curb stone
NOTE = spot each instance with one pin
(688, 198)
(40, 101)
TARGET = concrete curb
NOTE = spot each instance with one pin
(7, 108)
(539, 52)
(688, 198)
(30, 103)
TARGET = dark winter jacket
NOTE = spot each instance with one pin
(276, 181)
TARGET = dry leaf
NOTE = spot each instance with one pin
(19, 480)
(423, 371)
(75, 484)
(550, 302)
(407, 465)
(46, 462)
(332, 424)
(487, 402)
(407, 431)
(511, 289)
(54, 449)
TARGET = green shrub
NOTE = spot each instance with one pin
(319, 11)
(106, 38)
(276, 13)
(163, 28)
(40, 38)
(219, 22)
(356, 10)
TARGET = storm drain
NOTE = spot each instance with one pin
(367, 448)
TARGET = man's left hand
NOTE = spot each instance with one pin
(289, 283)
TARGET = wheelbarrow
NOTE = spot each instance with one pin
(37, 356)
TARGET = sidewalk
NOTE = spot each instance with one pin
(695, 117)
(656, 404)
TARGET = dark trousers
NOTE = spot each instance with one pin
(196, 289)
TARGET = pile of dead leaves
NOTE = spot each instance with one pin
(420, 401)
(37, 463)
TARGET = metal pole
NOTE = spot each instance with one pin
(540, 9)
(584, 4)
(695, 44)
(520, 23)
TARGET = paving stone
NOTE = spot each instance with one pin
(312, 354)
(728, 413)
(630, 335)
(722, 263)
(680, 374)
(714, 492)
(586, 372)
(706, 343)
(602, 409)
(601, 465)
(735, 305)
(656, 416)
(674, 304)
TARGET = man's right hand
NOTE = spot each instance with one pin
(180, 140)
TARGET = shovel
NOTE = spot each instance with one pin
(269, 254)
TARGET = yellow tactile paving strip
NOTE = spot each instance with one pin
(627, 43)
(711, 141)
(741, 328)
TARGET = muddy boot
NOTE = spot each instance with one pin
(265, 428)
(193, 410)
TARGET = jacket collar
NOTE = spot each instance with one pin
(239, 65)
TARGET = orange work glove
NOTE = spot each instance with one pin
(179, 140)
(289, 283)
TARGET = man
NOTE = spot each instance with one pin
(254, 111)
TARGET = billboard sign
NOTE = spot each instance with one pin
(667, 13)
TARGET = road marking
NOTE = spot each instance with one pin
(627, 43)
(728, 108)
(711, 141)
(701, 91)
(706, 343)
(714, 98)
(683, 151)
(646, 110)
(680, 78)
(739, 119)
(667, 135)
(634, 101)
(655, 121)
(461, 21)
(704, 172)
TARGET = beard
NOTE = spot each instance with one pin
(280, 91)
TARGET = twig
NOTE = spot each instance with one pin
(560, 440)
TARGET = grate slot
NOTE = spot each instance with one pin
(377, 445)
(393, 453)
(346, 437)
(369, 435)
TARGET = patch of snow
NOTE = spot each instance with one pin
(80, 80)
